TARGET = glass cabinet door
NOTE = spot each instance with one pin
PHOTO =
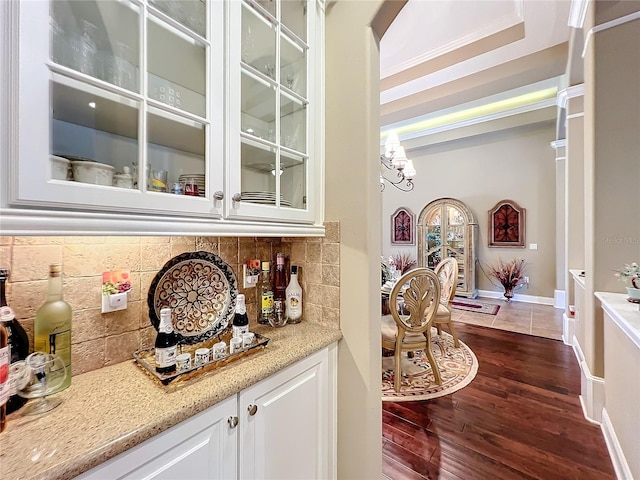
(433, 239)
(126, 87)
(272, 138)
(455, 239)
(446, 228)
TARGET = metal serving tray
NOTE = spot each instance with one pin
(146, 358)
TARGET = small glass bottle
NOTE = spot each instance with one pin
(166, 344)
(294, 297)
(279, 291)
(240, 318)
(52, 325)
(265, 297)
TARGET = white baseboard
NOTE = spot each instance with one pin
(559, 299)
(568, 328)
(517, 297)
(577, 349)
(620, 465)
(592, 393)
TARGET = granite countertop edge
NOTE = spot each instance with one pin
(94, 424)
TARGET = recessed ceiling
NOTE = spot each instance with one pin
(438, 54)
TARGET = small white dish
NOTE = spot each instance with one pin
(59, 167)
(92, 172)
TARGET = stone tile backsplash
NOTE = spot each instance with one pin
(101, 339)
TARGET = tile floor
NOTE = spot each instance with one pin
(530, 318)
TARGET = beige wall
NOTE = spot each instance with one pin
(351, 142)
(516, 164)
(101, 339)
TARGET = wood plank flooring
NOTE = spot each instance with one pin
(520, 418)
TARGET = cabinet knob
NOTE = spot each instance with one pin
(218, 195)
(252, 409)
(237, 197)
(233, 422)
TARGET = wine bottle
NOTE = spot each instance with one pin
(52, 326)
(4, 375)
(279, 290)
(166, 344)
(240, 318)
(265, 297)
(18, 339)
(294, 297)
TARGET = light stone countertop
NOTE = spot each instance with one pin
(577, 277)
(626, 315)
(107, 411)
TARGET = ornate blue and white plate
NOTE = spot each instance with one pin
(201, 290)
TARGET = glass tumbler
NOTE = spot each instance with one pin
(87, 49)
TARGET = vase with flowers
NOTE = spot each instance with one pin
(509, 274)
(630, 274)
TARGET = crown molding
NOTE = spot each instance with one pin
(569, 92)
(606, 26)
(501, 23)
(578, 12)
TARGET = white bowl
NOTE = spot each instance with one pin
(92, 172)
(59, 167)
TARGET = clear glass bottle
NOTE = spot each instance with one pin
(265, 297)
(52, 326)
(166, 346)
(240, 318)
(279, 291)
(18, 339)
(294, 297)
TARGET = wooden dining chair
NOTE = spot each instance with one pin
(414, 302)
(447, 272)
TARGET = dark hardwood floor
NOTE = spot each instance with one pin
(519, 418)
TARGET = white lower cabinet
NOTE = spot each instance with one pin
(285, 424)
(202, 447)
(281, 428)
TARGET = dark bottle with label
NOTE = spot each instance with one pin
(18, 339)
(166, 344)
(240, 318)
(4, 375)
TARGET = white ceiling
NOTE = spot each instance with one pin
(438, 54)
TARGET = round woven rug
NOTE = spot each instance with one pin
(458, 367)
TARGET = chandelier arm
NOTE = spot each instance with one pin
(398, 178)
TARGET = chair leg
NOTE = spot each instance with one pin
(454, 334)
(432, 362)
(438, 328)
(398, 371)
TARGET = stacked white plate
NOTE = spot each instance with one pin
(265, 198)
(198, 178)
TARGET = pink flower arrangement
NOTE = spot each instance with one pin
(509, 274)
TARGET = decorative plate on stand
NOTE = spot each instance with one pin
(201, 290)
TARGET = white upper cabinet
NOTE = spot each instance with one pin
(126, 92)
(275, 121)
(194, 110)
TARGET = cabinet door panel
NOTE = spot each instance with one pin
(81, 98)
(203, 447)
(288, 435)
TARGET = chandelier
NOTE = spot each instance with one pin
(398, 169)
